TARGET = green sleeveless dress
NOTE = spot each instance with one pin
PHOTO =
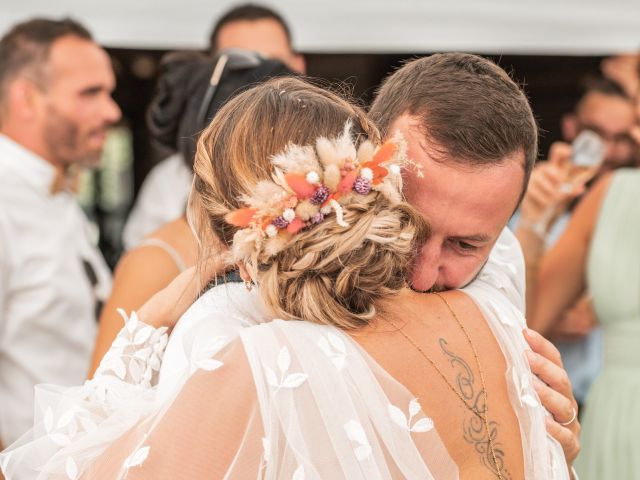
(611, 423)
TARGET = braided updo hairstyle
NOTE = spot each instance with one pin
(328, 274)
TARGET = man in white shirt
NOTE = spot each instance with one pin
(55, 109)
(470, 130)
(164, 193)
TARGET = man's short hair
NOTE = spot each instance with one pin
(602, 85)
(27, 45)
(466, 104)
(246, 12)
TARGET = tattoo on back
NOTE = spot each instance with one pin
(474, 429)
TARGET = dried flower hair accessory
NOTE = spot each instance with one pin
(309, 184)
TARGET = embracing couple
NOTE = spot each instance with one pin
(379, 329)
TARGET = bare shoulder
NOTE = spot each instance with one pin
(145, 269)
(175, 235)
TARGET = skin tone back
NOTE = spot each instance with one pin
(427, 320)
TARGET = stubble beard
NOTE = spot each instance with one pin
(64, 140)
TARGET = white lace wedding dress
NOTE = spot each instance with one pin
(234, 395)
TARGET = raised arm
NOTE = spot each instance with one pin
(141, 273)
(561, 278)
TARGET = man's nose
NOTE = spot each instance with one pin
(427, 267)
(112, 111)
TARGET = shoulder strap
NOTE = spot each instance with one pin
(172, 252)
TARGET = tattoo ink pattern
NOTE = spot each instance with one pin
(474, 430)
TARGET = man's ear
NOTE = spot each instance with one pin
(23, 99)
(298, 63)
(569, 127)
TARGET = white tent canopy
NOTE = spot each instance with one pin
(571, 27)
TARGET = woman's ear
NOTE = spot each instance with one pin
(244, 272)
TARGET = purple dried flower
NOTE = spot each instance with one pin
(280, 222)
(362, 186)
(316, 218)
(320, 195)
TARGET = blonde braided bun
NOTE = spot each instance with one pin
(328, 273)
(335, 275)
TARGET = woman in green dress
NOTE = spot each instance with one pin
(600, 250)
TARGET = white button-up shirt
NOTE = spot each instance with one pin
(162, 199)
(51, 278)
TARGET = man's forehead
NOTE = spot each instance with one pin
(264, 35)
(76, 61)
(600, 103)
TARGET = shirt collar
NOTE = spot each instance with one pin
(35, 170)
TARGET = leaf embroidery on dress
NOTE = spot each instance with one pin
(137, 458)
(202, 354)
(334, 347)
(356, 434)
(135, 354)
(299, 474)
(266, 446)
(293, 380)
(399, 418)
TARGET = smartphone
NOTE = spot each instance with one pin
(588, 150)
(588, 154)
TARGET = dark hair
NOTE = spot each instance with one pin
(466, 104)
(27, 46)
(602, 85)
(246, 12)
(174, 116)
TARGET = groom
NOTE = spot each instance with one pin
(471, 129)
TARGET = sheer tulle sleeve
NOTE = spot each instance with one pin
(211, 429)
(499, 292)
(121, 389)
(284, 400)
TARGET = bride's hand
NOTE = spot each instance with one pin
(166, 307)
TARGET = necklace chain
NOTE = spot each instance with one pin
(484, 417)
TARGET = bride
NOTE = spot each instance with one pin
(359, 377)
